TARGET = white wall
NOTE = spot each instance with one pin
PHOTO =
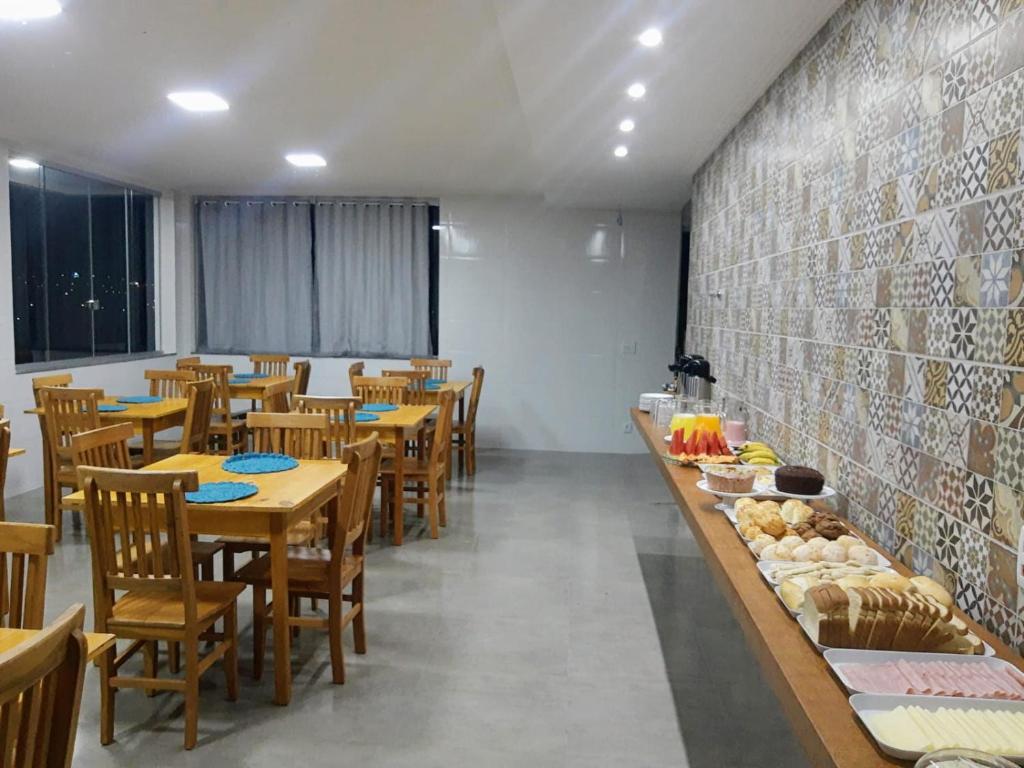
(26, 472)
(547, 300)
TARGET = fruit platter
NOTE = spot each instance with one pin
(702, 446)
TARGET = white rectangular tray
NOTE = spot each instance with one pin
(805, 626)
(867, 704)
(838, 656)
(882, 559)
(763, 566)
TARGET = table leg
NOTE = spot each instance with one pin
(399, 517)
(282, 633)
(147, 442)
(48, 500)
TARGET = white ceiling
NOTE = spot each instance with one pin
(403, 97)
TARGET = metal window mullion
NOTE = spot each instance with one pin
(46, 267)
(127, 272)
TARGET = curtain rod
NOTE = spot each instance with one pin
(317, 200)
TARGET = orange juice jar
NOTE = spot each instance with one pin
(709, 422)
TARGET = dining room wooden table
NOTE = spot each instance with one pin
(252, 389)
(95, 642)
(146, 418)
(407, 422)
(284, 500)
(458, 388)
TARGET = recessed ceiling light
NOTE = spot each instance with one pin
(636, 90)
(621, 151)
(198, 101)
(306, 160)
(26, 10)
(23, 164)
(650, 38)
(627, 125)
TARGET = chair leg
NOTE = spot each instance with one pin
(359, 622)
(229, 562)
(230, 661)
(336, 610)
(385, 506)
(107, 693)
(259, 629)
(294, 609)
(174, 656)
(471, 455)
(433, 503)
(461, 449)
(442, 507)
(191, 691)
(149, 655)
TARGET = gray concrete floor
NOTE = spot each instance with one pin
(564, 618)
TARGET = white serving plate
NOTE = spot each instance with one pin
(804, 625)
(838, 656)
(882, 559)
(826, 492)
(765, 565)
(703, 485)
(647, 400)
(867, 704)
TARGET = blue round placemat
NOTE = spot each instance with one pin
(258, 463)
(211, 493)
(434, 383)
(139, 399)
(379, 408)
(360, 416)
(110, 408)
(251, 375)
(433, 387)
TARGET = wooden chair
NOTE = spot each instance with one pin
(275, 397)
(355, 370)
(430, 471)
(326, 573)
(272, 365)
(41, 683)
(341, 412)
(299, 435)
(381, 389)
(56, 380)
(67, 412)
(227, 433)
(195, 433)
(5, 447)
(417, 386)
(186, 363)
(301, 381)
(436, 369)
(170, 383)
(24, 550)
(149, 599)
(464, 440)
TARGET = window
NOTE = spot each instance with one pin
(319, 276)
(83, 267)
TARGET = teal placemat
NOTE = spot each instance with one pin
(258, 463)
(140, 399)
(211, 493)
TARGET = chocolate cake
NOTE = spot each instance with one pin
(799, 480)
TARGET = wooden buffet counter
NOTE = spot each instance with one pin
(813, 700)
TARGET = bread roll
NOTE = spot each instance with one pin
(890, 581)
(932, 588)
(833, 552)
(762, 541)
(861, 554)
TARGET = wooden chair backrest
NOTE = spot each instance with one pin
(137, 512)
(440, 444)
(356, 369)
(474, 396)
(103, 447)
(301, 380)
(381, 389)
(170, 383)
(49, 382)
(221, 407)
(195, 435)
(185, 363)
(417, 384)
(347, 528)
(69, 411)
(436, 369)
(41, 684)
(341, 411)
(299, 435)
(272, 365)
(5, 446)
(275, 397)
(24, 549)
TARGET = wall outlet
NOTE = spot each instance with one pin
(627, 428)
(629, 347)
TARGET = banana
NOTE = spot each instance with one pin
(760, 453)
(762, 461)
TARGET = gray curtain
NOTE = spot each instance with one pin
(373, 278)
(255, 280)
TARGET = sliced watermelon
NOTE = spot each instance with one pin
(723, 446)
(690, 444)
(676, 446)
(702, 443)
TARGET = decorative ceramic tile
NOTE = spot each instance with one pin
(1002, 577)
(1002, 222)
(961, 336)
(967, 291)
(995, 279)
(1013, 346)
(1003, 162)
(974, 554)
(1007, 511)
(974, 172)
(986, 392)
(1015, 288)
(1011, 400)
(991, 340)
(979, 496)
(959, 387)
(936, 379)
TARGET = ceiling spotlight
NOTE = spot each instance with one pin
(23, 164)
(27, 10)
(627, 125)
(305, 160)
(621, 151)
(650, 38)
(198, 101)
(636, 90)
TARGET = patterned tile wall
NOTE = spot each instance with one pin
(857, 280)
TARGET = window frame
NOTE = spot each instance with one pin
(154, 243)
